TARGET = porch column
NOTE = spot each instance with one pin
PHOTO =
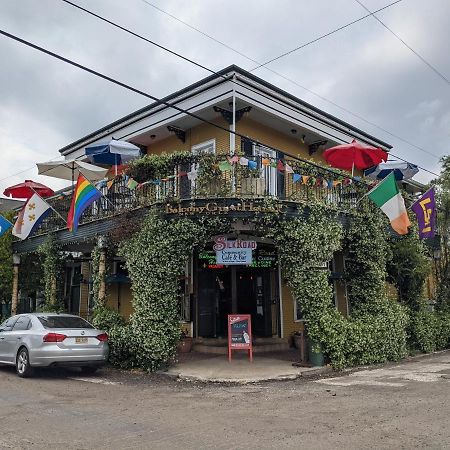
(15, 285)
(102, 270)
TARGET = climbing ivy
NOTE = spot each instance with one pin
(52, 265)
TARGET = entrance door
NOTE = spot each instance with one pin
(253, 297)
(214, 302)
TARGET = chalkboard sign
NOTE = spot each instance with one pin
(240, 334)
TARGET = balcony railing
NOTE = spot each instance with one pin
(213, 176)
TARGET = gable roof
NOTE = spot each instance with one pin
(225, 74)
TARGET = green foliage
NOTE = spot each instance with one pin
(52, 273)
(156, 258)
(430, 331)
(105, 318)
(6, 272)
(409, 268)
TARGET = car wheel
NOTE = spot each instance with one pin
(23, 367)
(89, 370)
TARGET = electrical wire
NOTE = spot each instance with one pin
(192, 61)
(430, 66)
(290, 80)
(343, 27)
(145, 94)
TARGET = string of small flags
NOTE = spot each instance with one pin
(227, 165)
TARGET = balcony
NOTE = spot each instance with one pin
(190, 178)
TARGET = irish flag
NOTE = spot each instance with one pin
(387, 197)
(84, 195)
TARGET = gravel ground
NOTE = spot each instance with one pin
(399, 406)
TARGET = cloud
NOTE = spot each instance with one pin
(46, 104)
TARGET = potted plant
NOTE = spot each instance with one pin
(316, 356)
(185, 343)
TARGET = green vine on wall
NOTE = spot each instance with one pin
(52, 265)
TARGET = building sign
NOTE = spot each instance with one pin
(233, 252)
(217, 208)
(263, 258)
(240, 334)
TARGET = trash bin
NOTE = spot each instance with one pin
(316, 357)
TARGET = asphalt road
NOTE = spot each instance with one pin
(396, 406)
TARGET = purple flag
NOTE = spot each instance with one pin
(425, 210)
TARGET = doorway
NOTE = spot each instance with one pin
(236, 290)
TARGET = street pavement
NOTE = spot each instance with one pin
(395, 406)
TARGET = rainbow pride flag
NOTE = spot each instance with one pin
(84, 195)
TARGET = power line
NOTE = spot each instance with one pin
(137, 91)
(331, 102)
(145, 94)
(436, 71)
(289, 52)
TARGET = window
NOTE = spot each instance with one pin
(204, 147)
(70, 322)
(23, 323)
(7, 325)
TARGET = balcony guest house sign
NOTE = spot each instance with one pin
(233, 252)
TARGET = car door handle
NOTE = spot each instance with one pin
(2, 338)
(19, 338)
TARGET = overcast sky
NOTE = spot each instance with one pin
(46, 104)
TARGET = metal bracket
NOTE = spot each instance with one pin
(312, 148)
(179, 133)
(228, 115)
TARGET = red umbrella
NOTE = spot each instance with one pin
(27, 189)
(349, 156)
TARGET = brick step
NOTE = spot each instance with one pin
(280, 346)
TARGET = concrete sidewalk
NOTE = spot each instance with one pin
(217, 369)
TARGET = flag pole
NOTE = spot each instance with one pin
(51, 207)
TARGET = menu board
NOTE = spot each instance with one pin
(262, 258)
(240, 333)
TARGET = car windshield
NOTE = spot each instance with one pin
(63, 322)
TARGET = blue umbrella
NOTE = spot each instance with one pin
(402, 170)
(113, 152)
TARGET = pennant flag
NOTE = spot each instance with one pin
(305, 179)
(233, 159)
(5, 225)
(84, 195)
(325, 183)
(192, 175)
(337, 183)
(31, 216)
(296, 177)
(318, 181)
(110, 183)
(273, 164)
(132, 184)
(265, 162)
(243, 161)
(425, 210)
(288, 168)
(225, 166)
(387, 197)
(330, 184)
(252, 164)
(100, 184)
(280, 165)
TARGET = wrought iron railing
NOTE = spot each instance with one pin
(214, 176)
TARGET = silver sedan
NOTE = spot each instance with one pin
(35, 340)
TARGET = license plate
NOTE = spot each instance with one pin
(81, 340)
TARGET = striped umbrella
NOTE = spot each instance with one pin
(402, 170)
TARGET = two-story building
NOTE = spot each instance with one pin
(230, 113)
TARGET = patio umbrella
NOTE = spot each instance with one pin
(113, 152)
(69, 169)
(27, 189)
(402, 170)
(349, 156)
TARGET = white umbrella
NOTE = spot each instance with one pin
(69, 169)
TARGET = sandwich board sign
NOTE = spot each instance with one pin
(240, 334)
